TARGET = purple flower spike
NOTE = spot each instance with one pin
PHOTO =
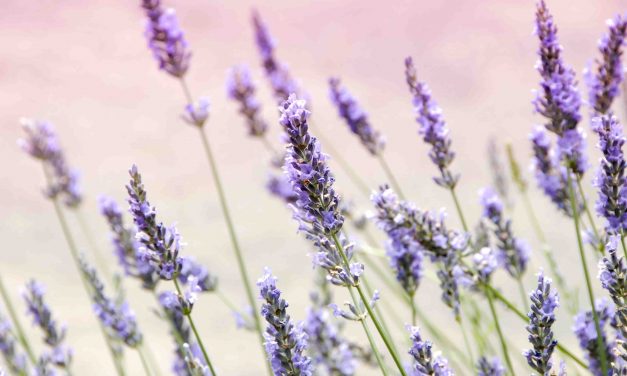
(586, 333)
(426, 363)
(166, 39)
(54, 335)
(610, 180)
(355, 117)
(432, 127)
(41, 143)
(490, 367)
(14, 359)
(286, 343)
(604, 83)
(240, 88)
(328, 348)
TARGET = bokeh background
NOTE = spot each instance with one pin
(85, 67)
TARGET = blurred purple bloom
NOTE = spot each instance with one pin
(328, 348)
(586, 333)
(490, 367)
(485, 263)
(14, 359)
(355, 117)
(544, 302)
(240, 88)
(196, 114)
(571, 151)
(426, 363)
(166, 39)
(192, 269)
(280, 187)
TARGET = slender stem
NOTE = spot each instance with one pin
(377, 309)
(460, 321)
(622, 242)
(584, 265)
(532, 217)
(390, 175)
(196, 335)
(98, 256)
(151, 359)
(459, 209)
(495, 317)
(521, 290)
(143, 360)
(413, 310)
(588, 213)
(16, 323)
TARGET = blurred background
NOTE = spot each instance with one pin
(85, 67)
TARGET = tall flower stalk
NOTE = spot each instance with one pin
(166, 40)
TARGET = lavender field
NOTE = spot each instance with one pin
(313, 188)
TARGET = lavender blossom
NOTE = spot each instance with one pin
(166, 39)
(194, 361)
(490, 367)
(280, 187)
(327, 347)
(426, 363)
(14, 359)
(160, 244)
(127, 248)
(406, 259)
(513, 252)
(432, 127)
(54, 335)
(285, 343)
(558, 99)
(613, 277)
(610, 180)
(196, 114)
(586, 333)
(604, 84)
(117, 317)
(240, 88)
(190, 269)
(355, 117)
(278, 73)
(485, 263)
(544, 302)
(41, 143)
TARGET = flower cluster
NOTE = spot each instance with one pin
(610, 180)
(604, 84)
(240, 88)
(513, 252)
(41, 143)
(166, 39)
(613, 277)
(286, 343)
(197, 113)
(160, 244)
(490, 367)
(544, 302)
(485, 263)
(117, 317)
(355, 117)
(54, 334)
(14, 359)
(586, 333)
(425, 362)
(328, 348)
(432, 127)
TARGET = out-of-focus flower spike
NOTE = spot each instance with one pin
(426, 362)
(586, 333)
(240, 88)
(14, 359)
(197, 113)
(328, 348)
(490, 367)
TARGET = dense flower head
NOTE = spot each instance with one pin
(558, 99)
(285, 342)
(241, 88)
(116, 316)
(160, 244)
(613, 277)
(14, 359)
(610, 180)
(571, 151)
(166, 39)
(41, 143)
(329, 350)
(604, 83)
(355, 117)
(278, 73)
(586, 333)
(126, 246)
(54, 334)
(513, 253)
(426, 363)
(197, 113)
(191, 269)
(432, 126)
(490, 367)
(485, 263)
(544, 302)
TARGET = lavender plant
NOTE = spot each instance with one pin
(241, 89)
(14, 358)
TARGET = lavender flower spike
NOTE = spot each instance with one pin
(604, 84)
(41, 143)
(425, 362)
(490, 367)
(166, 39)
(161, 244)
(285, 343)
(610, 180)
(432, 127)
(355, 117)
(14, 359)
(328, 348)
(513, 252)
(544, 301)
(240, 88)
(54, 335)
(586, 333)
(116, 317)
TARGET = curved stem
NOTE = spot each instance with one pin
(584, 265)
(143, 360)
(390, 176)
(495, 317)
(16, 323)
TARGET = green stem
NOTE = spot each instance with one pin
(584, 266)
(377, 309)
(622, 242)
(98, 256)
(390, 176)
(196, 335)
(460, 321)
(151, 359)
(495, 317)
(589, 215)
(523, 294)
(143, 360)
(413, 310)
(16, 323)
(459, 209)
